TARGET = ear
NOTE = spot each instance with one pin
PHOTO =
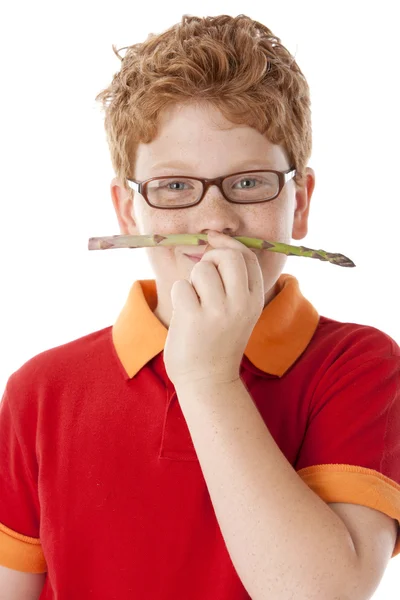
(303, 199)
(123, 202)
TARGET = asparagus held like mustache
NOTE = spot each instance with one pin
(199, 239)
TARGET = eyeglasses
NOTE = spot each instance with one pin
(158, 193)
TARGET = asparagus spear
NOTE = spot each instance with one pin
(193, 239)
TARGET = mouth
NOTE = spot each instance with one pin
(194, 257)
(198, 257)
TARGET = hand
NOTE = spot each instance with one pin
(213, 314)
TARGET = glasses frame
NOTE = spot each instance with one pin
(141, 186)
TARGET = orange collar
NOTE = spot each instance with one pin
(280, 336)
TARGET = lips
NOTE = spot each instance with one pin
(200, 256)
(194, 258)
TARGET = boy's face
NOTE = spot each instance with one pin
(190, 134)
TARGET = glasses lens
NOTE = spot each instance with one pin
(174, 192)
(251, 187)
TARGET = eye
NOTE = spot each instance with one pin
(177, 183)
(247, 179)
(167, 184)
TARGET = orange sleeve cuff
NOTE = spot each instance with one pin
(20, 552)
(356, 485)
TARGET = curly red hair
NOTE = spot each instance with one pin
(234, 63)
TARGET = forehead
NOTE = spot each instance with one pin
(192, 136)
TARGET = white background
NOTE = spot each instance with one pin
(56, 171)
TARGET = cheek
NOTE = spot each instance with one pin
(271, 264)
(163, 257)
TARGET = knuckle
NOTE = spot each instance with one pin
(235, 254)
(202, 263)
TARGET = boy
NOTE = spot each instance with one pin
(221, 440)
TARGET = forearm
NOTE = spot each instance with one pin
(284, 541)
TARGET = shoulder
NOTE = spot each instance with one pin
(55, 367)
(354, 340)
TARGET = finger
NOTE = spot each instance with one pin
(184, 297)
(226, 276)
(220, 240)
(208, 284)
(254, 273)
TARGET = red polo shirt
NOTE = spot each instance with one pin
(100, 485)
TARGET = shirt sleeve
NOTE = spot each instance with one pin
(20, 546)
(351, 447)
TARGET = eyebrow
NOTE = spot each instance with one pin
(178, 164)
